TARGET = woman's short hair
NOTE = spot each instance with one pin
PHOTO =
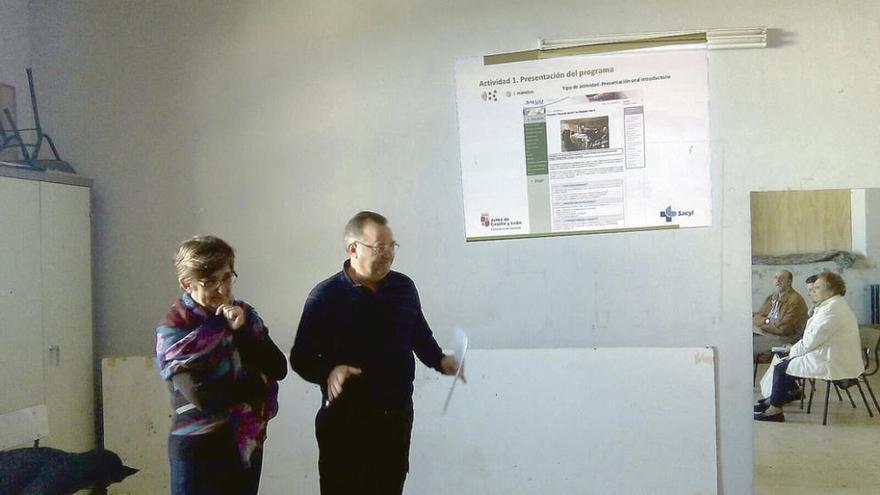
(354, 229)
(197, 258)
(835, 282)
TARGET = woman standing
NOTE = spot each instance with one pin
(222, 370)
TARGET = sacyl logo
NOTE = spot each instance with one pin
(669, 213)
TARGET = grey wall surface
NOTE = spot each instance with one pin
(270, 123)
(15, 54)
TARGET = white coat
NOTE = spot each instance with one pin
(831, 348)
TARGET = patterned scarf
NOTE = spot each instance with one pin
(188, 339)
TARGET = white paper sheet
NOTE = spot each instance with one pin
(459, 350)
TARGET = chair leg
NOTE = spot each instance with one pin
(839, 398)
(803, 384)
(828, 386)
(865, 399)
(755, 370)
(871, 391)
(851, 401)
(812, 390)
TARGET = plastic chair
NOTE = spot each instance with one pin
(828, 385)
(870, 344)
(870, 336)
(11, 138)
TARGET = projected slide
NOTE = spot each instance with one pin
(584, 144)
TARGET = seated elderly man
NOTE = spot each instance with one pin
(783, 314)
(829, 350)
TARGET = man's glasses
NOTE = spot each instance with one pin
(214, 284)
(381, 248)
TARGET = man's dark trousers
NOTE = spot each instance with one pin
(363, 450)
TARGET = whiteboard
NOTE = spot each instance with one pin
(574, 421)
(588, 143)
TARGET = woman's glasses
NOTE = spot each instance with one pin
(214, 284)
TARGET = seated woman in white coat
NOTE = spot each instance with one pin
(830, 348)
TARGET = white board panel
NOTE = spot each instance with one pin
(575, 421)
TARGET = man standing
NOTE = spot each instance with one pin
(356, 339)
(784, 312)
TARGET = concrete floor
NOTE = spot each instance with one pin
(803, 457)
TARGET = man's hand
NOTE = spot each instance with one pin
(234, 315)
(338, 377)
(782, 352)
(449, 366)
(771, 329)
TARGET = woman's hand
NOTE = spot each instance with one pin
(234, 315)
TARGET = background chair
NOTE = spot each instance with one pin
(870, 336)
(11, 137)
(870, 345)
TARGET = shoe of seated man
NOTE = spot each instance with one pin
(771, 418)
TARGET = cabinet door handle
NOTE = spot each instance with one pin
(54, 355)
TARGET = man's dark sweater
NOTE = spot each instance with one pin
(345, 323)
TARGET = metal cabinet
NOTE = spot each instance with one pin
(46, 333)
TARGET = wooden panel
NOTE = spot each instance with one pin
(21, 334)
(67, 315)
(136, 425)
(789, 222)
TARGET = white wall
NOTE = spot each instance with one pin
(270, 123)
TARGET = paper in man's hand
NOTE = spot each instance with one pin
(459, 350)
